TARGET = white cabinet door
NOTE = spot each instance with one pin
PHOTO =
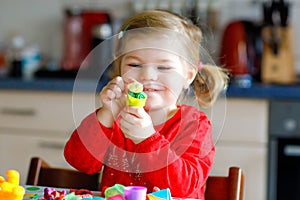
(17, 149)
(43, 110)
(243, 142)
(37, 123)
(253, 161)
(241, 120)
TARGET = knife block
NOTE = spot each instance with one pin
(278, 67)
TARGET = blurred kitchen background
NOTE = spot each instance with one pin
(42, 28)
(43, 42)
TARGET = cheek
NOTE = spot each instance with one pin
(175, 78)
(127, 72)
(175, 82)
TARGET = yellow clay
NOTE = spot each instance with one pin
(136, 88)
(152, 197)
(2, 179)
(131, 101)
(10, 189)
(13, 176)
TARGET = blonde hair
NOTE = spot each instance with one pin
(209, 81)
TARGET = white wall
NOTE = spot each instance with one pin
(38, 21)
(41, 21)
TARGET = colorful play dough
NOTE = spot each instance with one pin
(136, 97)
(114, 190)
(51, 193)
(9, 188)
(13, 176)
(164, 194)
(152, 197)
(135, 193)
(116, 197)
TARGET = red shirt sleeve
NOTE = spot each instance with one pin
(86, 148)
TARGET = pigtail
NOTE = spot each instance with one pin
(210, 80)
(208, 83)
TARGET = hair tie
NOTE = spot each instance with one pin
(200, 65)
(121, 34)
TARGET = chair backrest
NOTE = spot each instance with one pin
(42, 174)
(226, 187)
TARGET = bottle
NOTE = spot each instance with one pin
(30, 61)
(73, 53)
(213, 10)
(15, 59)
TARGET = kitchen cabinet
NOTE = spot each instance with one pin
(243, 142)
(17, 149)
(36, 123)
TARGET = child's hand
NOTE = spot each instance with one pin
(112, 96)
(136, 124)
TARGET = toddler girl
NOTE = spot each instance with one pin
(164, 144)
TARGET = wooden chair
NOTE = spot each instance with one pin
(225, 187)
(42, 174)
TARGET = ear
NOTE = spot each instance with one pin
(190, 76)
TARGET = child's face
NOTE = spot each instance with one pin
(162, 73)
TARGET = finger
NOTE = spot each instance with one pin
(116, 81)
(128, 80)
(112, 85)
(116, 89)
(129, 118)
(138, 112)
(123, 99)
(116, 85)
(119, 81)
(126, 135)
(125, 126)
(108, 94)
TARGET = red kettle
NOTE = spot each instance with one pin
(79, 38)
(241, 50)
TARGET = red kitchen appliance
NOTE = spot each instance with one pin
(79, 34)
(241, 50)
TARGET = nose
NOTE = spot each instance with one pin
(149, 72)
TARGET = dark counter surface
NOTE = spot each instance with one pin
(271, 91)
(257, 90)
(49, 84)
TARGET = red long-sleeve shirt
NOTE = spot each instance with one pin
(178, 156)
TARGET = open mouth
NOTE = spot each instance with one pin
(153, 87)
(151, 90)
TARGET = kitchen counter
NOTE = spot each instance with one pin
(257, 90)
(49, 84)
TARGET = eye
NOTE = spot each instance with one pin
(135, 65)
(163, 67)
